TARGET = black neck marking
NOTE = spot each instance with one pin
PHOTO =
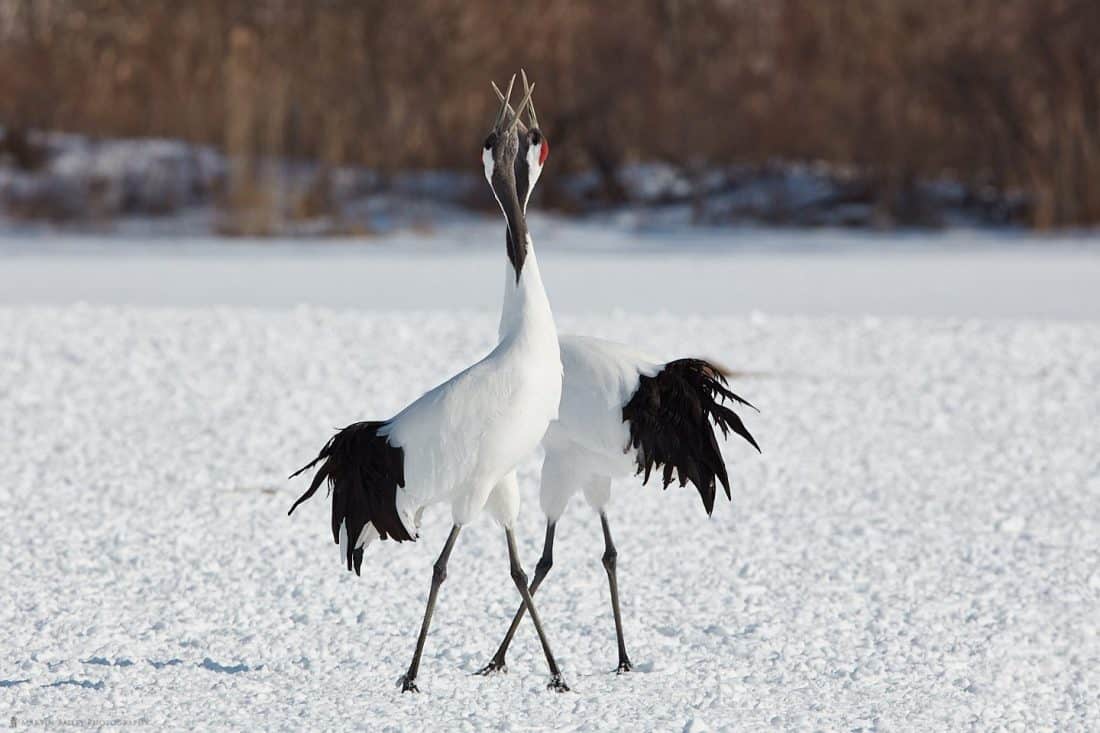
(504, 186)
(523, 173)
(516, 255)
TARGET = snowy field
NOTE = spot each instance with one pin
(918, 547)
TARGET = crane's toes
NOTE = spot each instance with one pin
(557, 684)
(497, 666)
(625, 666)
(408, 684)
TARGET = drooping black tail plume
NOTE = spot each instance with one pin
(363, 472)
(670, 419)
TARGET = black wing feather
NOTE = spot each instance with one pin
(364, 472)
(672, 417)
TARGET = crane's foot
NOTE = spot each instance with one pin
(408, 684)
(624, 666)
(557, 684)
(497, 666)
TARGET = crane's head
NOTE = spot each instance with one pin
(534, 148)
(498, 155)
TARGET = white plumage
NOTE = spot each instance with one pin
(464, 437)
(589, 440)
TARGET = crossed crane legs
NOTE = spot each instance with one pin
(439, 574)
(610, 558)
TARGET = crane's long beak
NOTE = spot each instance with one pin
(501, 124)
(504, 100)
(502, 115)
(528, 88)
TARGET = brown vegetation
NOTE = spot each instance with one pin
(1002, 94)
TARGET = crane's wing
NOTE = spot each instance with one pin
(672, 416)
(364, 472)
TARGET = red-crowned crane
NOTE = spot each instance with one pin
(460, 442)
(621, 413)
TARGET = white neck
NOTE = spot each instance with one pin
(526, 310)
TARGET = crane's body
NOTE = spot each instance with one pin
(590, 441)
(461, 438)
(623, 413)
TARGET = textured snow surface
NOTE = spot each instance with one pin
(918, 548)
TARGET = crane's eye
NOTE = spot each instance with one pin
(534, 136)
(490, 141)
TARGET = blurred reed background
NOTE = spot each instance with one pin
(1001, 96)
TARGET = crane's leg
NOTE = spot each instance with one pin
(545, 563)
(439, 574)
(610, 556)
(520, 579)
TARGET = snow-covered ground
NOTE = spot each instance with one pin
(918, 547)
